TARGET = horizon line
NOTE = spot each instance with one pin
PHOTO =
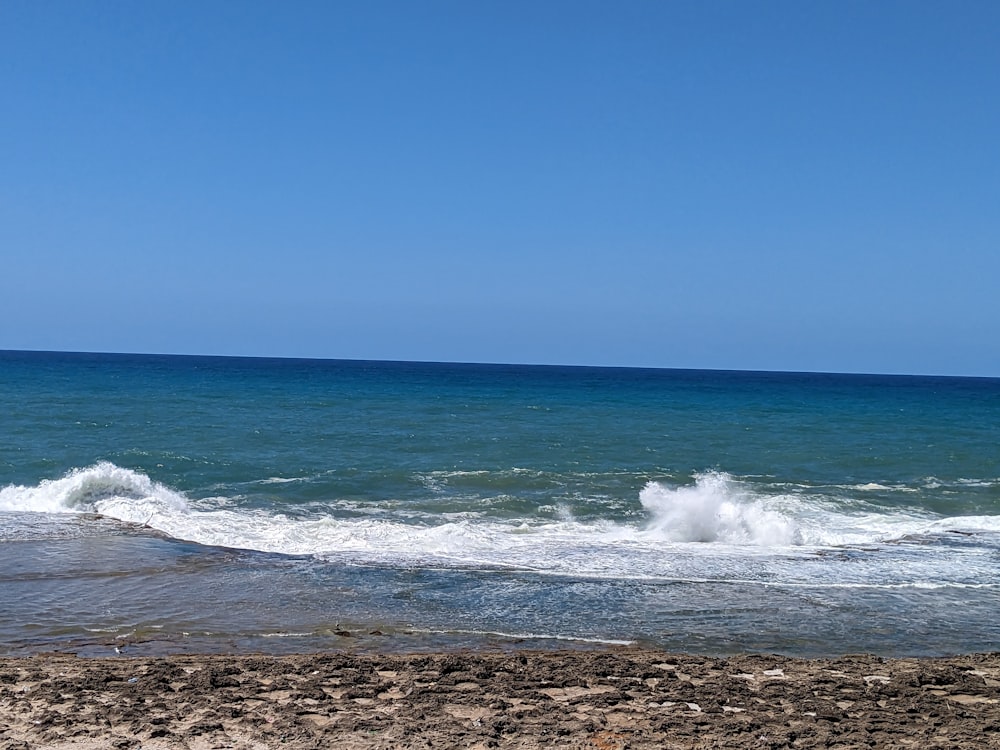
(492, 364)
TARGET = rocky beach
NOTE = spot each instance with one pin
(607, 699)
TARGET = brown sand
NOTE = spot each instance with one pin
(609, 699)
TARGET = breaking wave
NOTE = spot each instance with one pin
(104, 488)
(709, 529)
(716, 509)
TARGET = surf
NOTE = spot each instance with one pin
(717, 527)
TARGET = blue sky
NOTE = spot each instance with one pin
(769, 185)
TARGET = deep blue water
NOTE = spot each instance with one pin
(200, 503)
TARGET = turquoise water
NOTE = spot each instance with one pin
(189, 503)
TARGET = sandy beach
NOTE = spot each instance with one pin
(606, 699)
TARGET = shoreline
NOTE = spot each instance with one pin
(605, 698)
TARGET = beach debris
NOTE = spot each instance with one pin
(774, 673)
(694, 707)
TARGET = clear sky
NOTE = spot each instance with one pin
(747, 185)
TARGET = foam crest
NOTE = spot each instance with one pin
(103, 488)
(967, 524)
(716, 529)
(715, 509)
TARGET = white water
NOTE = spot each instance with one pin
(715, 529)
(716, 509)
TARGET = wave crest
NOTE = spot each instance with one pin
(715, 509)
(696, 532)
(103, 488)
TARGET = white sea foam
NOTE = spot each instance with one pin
(716, 529)
(525, 636)
(978, 482)
(716, 509)
(103, 488)
(876, 487)
(966, 524)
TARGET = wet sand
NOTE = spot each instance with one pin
(609, 699)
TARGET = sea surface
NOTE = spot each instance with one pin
(161, 504)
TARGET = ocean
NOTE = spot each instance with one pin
(166, 504)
